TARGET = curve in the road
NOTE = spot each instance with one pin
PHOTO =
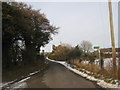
(57, 76)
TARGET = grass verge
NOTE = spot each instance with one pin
(105, 74)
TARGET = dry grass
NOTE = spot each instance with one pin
(90, 67)
(107, 73)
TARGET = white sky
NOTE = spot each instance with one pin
(80, 21)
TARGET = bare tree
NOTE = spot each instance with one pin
(86, 46)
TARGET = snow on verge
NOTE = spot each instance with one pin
(20, 84)
(6, 83)
(100, 82)
(34, 73)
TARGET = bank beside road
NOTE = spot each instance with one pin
(16, 78)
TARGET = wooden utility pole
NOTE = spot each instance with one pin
(112, 36)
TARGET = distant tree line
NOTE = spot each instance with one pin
(67, 53)
(24, 31)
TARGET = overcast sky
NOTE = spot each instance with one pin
(80, 21)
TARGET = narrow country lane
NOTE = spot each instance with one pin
(57, 76)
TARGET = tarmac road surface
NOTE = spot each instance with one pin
(57, 76)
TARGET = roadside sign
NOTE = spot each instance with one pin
(96, 47)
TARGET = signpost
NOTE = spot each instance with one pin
(100, 60)
(98, 48)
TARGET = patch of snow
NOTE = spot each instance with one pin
(23, 80)
(100, 82)
(34, 73)
(85, 62)
(19, 85)
(6, 83)
(107, 62)
(107, 85)
(0, 86)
